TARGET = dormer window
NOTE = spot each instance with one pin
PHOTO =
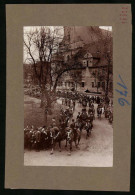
(88, 59)
(88, 55)
(84, 63)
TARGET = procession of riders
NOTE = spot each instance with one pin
(67, 128)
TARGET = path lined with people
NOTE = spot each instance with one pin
(96, 151)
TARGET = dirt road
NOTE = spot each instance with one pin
(96, 151)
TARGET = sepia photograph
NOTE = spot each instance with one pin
(68, 96)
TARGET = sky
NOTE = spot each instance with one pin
(106, 27)
(28, 28)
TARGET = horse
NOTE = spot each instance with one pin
(57, 135)
(72, 136)
(77, 136)
(83, 120)
(106, 113)
(88, 128)
(91, 117)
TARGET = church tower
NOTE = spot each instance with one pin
(67, 34)
(78, 36)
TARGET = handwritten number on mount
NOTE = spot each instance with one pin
(122, 93)
(122, 101)
(123, 84)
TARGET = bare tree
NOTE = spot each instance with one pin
(41, 46)
(76, 76)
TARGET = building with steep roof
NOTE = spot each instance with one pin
(92, 48)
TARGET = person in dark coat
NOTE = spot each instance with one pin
(78, 116)
(98, 100)
(72, 125)
(84, 103)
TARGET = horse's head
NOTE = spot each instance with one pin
(51, 134)
(46, 136)
(69, 135)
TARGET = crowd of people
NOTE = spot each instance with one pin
(33, 91)
(69, 128)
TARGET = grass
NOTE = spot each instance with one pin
(34, 115)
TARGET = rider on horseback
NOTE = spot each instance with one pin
(72, 124)
(54, 130)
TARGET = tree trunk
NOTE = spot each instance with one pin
(43, 104)
(42, 99)
(45, 116)
(49, 106)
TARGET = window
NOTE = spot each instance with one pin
(82, 84)
(90, 63)
(98, 84)
(84, 62)
(87, 55)
(91, 60)
(92, 84)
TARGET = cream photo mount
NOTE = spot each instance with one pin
(18, 176)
